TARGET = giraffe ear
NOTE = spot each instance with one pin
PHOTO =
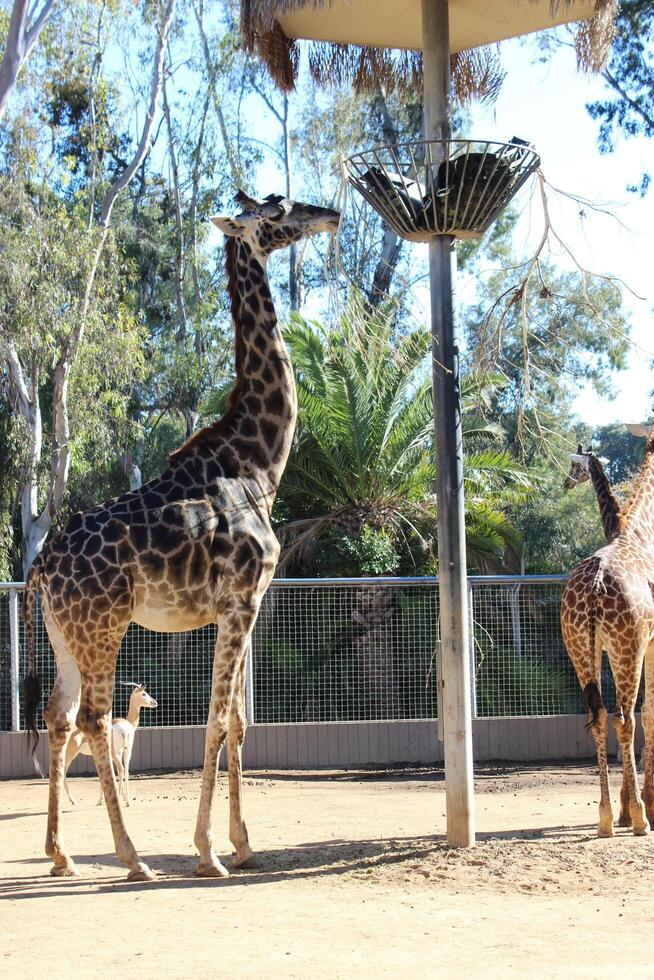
(580, 448)
(229, 226)
(636, 429)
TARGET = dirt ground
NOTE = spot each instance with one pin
(356, 881)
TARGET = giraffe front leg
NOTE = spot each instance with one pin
(624, 820)
(234, 631)
(238, 834)
(59, 716)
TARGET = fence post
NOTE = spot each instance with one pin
(471, 645)
(249, 685)
(14, 659)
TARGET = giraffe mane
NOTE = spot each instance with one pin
(640, 479)
(210, 432)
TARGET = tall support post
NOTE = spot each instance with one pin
(454, 645)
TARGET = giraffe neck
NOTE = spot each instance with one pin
(609, 505)
(638, 515)
(253, 438)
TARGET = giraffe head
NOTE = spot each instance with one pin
(580, 467)
(275, 222)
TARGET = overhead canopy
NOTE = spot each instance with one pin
(398, 23)
(353, 39)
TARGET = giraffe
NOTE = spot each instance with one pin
(608, 604)
(194, 546)
(587, 466)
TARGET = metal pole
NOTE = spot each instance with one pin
(454, 645)
(14, 658)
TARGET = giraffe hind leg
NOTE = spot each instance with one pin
(59, 717)
(624, 720)
(599, 726)
(647, 717)
(94, 719)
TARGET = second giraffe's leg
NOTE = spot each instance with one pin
(234, 631)
(238, 833)
(624, 820)
(647, 717)
(59, 718)
(94, 719)
(625, 726)
(600, 732)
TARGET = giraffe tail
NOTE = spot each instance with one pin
(32, 682)
(593, 701)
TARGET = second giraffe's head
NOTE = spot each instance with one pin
(580, 467)
(275, 222)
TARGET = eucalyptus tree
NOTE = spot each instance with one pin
(66, 301)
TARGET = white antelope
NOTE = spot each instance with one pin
(122, 741)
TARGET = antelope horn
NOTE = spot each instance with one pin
(129, 684)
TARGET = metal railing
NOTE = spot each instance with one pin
(350, 649)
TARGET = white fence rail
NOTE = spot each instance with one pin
(338, 651)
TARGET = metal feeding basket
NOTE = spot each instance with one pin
(441, 187)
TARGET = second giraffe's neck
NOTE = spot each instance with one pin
(638, 514)
(609, 505)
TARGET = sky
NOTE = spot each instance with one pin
(545, 104)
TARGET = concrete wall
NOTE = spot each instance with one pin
(315, 746)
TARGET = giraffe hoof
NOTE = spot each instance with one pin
(67, 870)
(624, 820)
(142, 873)
(641, 831)
(605, 832)
(248, 863)
(207, 870)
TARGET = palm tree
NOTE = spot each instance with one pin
(363, 463)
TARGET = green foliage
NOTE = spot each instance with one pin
(509, 684)
(373, 552)
(629, 108)
(363, 457)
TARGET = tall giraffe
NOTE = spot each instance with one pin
(608, 604)
(587, 466)
(194, 546)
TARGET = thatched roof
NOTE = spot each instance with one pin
(476, 72)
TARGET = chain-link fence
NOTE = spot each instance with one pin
(344, 650)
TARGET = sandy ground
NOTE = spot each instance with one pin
(356, 881)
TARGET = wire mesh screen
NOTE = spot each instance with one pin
(521, 665)
(5, 663)
(347, 651)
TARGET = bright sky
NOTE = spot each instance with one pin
(545, 104)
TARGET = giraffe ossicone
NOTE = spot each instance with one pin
(191, 547)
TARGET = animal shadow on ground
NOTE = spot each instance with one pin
(313, 859)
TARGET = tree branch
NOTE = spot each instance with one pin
(21, 38)
(146, 136)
